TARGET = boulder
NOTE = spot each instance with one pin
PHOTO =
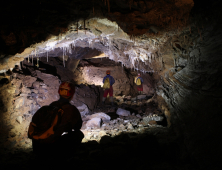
(28, 81)
(94, 123)
(122, 112)
(139, 97)
(100, 115)
(89, 95)
(147, 119)
(83, 109)
(48, 79)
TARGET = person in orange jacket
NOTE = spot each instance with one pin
(71, 123)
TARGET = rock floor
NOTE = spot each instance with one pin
(124, 142)
(155, 148)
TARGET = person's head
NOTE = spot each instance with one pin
(108, 72)
(66, 90)
(138, 74)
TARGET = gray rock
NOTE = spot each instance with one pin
(122, 112)
(19, 119)
(139, 97)
(83, 109)
(94, 123)
(101, 115)
(147, 119)
(138, 116)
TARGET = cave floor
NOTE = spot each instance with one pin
(155, 148)
(147, 147)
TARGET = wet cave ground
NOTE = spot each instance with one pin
(141, 140)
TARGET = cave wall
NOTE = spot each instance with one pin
(29, 87)
(93, 71)
(183, 54)
(192, 88)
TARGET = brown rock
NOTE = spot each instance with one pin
(152, 122)
(28, 81)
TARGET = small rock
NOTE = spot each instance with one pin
(138, 116)
(122, 112)
(133, 114)
(152, 122)
(139, 97)
(140, 124)
(19, 102)
(126, 121)
(19, 119)
(130, 126)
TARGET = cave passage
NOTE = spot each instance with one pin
(174, 45)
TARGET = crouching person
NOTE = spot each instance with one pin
(50, 123)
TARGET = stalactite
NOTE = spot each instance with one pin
(85, 25)
(47, 57)
(32, 60)
(77, 27)
(63, 58)
(37, 62)
(28, 58)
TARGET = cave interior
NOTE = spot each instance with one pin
(174, 44)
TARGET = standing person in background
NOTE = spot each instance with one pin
(139, 83)
(108, 81)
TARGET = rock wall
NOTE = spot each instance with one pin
(192, 89)
(94, 70)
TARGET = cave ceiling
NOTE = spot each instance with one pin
(131, 32)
